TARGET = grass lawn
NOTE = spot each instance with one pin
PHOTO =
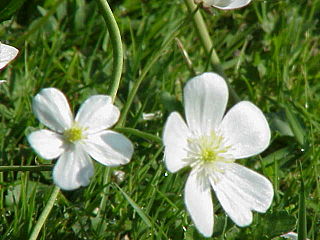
(270, 52)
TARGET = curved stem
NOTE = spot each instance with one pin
(116, 42)
(45, 213)
(203, 34)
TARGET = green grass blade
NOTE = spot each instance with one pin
(295, 126)
(141, 213)
(302, 219)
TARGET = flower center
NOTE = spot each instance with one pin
(208, 149)
(208, 155)
(73, 134)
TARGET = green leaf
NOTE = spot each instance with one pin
(170, 103)
(279, 123)
(295, 126)
(275, 224)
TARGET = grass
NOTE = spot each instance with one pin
(269, 50)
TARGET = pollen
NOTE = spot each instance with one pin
(74, 134)
(208, 149)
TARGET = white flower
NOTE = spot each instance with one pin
(75, 140)
(209, 143)
(291, 235)
(226, 4)
(7, 54)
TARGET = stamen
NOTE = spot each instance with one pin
(73, 134)
(206, 152)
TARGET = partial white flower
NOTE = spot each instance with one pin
(75, 140)
(210, 143)
(7, 54)
(291, 235)
(226, 4)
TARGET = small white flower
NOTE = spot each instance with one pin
(291, 235)
(7, 54)
(75, 140)
(210, 143)
(226, 4)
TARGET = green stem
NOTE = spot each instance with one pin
(45, 213)
(202, 31)
(204, 36)
(116, 42)
(26, 168)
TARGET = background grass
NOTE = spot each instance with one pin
(270, 50)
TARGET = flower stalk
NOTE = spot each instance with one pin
(116, 42)
(204, 36)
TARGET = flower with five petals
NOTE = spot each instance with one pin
(210, 143)
(75, 140)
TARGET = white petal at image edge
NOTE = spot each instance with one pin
(199, 204)
(7, 54)
(52, 109)
(227, 4)
(246, 130)
(175, 137)
(205, 100)
(97, 113)
(240, 191)
(47, 144)
(73, 169)
(109, 148)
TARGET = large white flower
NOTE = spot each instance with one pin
(7, 54)
(209, 143)
(226, 4)
(75, 140)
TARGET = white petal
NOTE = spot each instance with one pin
(7, 54)
(175, 137)
(52, 109)
(109, 148)
(97, 113)
(199, 203)
(47, 144)
(291, 235)
(205, 99)
(227, 4)
(241, 190)
(246, 130)
(73, 169)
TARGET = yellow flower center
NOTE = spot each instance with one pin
(207, 155)
(73, 134)
(208, 149)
